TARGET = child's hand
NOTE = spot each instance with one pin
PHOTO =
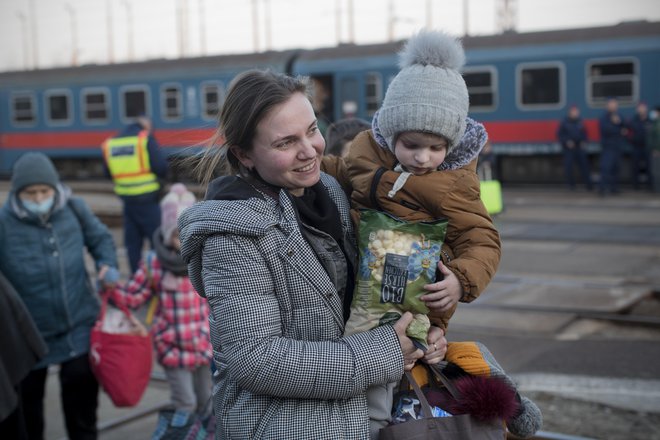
(437, 346)
(444, 294)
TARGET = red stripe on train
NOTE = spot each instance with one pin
(532, 131)
(169, 138)
(498, 132)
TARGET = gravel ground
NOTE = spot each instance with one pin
(593, 420)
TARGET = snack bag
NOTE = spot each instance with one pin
(396, 259)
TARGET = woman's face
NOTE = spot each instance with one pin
(420, 153)
(287, 148)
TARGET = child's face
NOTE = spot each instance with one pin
(420, 153)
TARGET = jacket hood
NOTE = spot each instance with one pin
(234, 206)
(227, 201)
(230, 188)
(467, 149)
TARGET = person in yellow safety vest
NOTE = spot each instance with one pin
(135, 163)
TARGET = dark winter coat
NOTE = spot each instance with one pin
(611, 134)
(21, 345)
(43, 258)
(571, 130)
(639, 131)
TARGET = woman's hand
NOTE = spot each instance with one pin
(437, 346)
(108, 276)
(444, 294)
(410, 353)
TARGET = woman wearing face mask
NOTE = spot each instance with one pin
(272, 249)
(43, 231)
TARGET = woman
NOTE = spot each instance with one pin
(272, 249)
(43, 233)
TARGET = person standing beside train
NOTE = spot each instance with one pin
(612, 140)
(653, 143)
(134, 161)
(640, 125)
(43, 233)
(572, 135)
(272, 249)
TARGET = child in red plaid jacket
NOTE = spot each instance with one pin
(180, 326)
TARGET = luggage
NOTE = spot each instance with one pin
(121, 354)
(443, 427)
(491, 191)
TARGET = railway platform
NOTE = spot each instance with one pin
(573, 314)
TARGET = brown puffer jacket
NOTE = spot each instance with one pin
(472, 247)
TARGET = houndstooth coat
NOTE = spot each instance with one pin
(284, 369)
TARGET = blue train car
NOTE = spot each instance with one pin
(520, 86)
(68, 112)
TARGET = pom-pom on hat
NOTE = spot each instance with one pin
(429, 93)
(474, 358)
(33, 169)
(172, 205)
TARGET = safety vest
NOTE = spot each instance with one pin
(127, 159)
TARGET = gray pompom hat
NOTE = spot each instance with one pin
(429, 93)
(32, 169)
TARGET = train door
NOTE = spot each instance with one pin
(348, 97)
(322, 94)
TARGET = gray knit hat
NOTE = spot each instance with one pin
(429, 93)
(31, 169)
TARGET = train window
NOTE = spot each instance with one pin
(95, 105)
(213, 95)
(482, 87)
(613, 77)
(373, 92)
(171, 102)
(22, 108)
(58, 107)
(541, 86)
(134, 102)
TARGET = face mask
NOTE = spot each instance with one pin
(39, 208)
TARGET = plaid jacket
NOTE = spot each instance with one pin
(180, 328)
(284, 369)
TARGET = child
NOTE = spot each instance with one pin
(180, 327)
(418, 163)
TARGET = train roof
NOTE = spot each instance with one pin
(231, 62)
(280, 59)
(507, 39)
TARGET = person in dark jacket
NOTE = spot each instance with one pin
(43, 233)
(612, 140)
(640, 125)
(572, 135)
(135, 163)
(21, 347)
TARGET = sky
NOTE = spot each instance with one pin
(76, 32)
